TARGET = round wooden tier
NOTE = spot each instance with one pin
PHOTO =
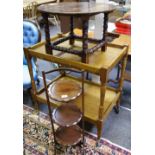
(76, 8)
(68, 136)
(67, 115)
(64, 90)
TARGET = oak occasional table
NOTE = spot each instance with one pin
(84, 10)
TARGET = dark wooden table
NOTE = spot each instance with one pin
(84, 10)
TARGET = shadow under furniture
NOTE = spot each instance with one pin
(99, 97)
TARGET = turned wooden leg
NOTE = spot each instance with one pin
(85, 40)
(105, 27)
(99, 132)
(48, 44)
(71, 41)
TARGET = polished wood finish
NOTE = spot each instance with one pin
(49, 111)
(98, 60)
(69, 136)
(67, 115)
(119, 39)
(99, 99)
(92, 100)
(76, 8)
(64, 90)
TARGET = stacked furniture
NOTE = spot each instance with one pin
(84, 11)
(99, 97)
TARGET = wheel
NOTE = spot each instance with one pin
(116, 109)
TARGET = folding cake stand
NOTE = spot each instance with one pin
(67, 115)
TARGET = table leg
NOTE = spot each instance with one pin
(85, 40)
(105, 27)
(71, 41)
(48, 44)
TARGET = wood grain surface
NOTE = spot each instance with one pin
(76, 8)
(64, 90)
